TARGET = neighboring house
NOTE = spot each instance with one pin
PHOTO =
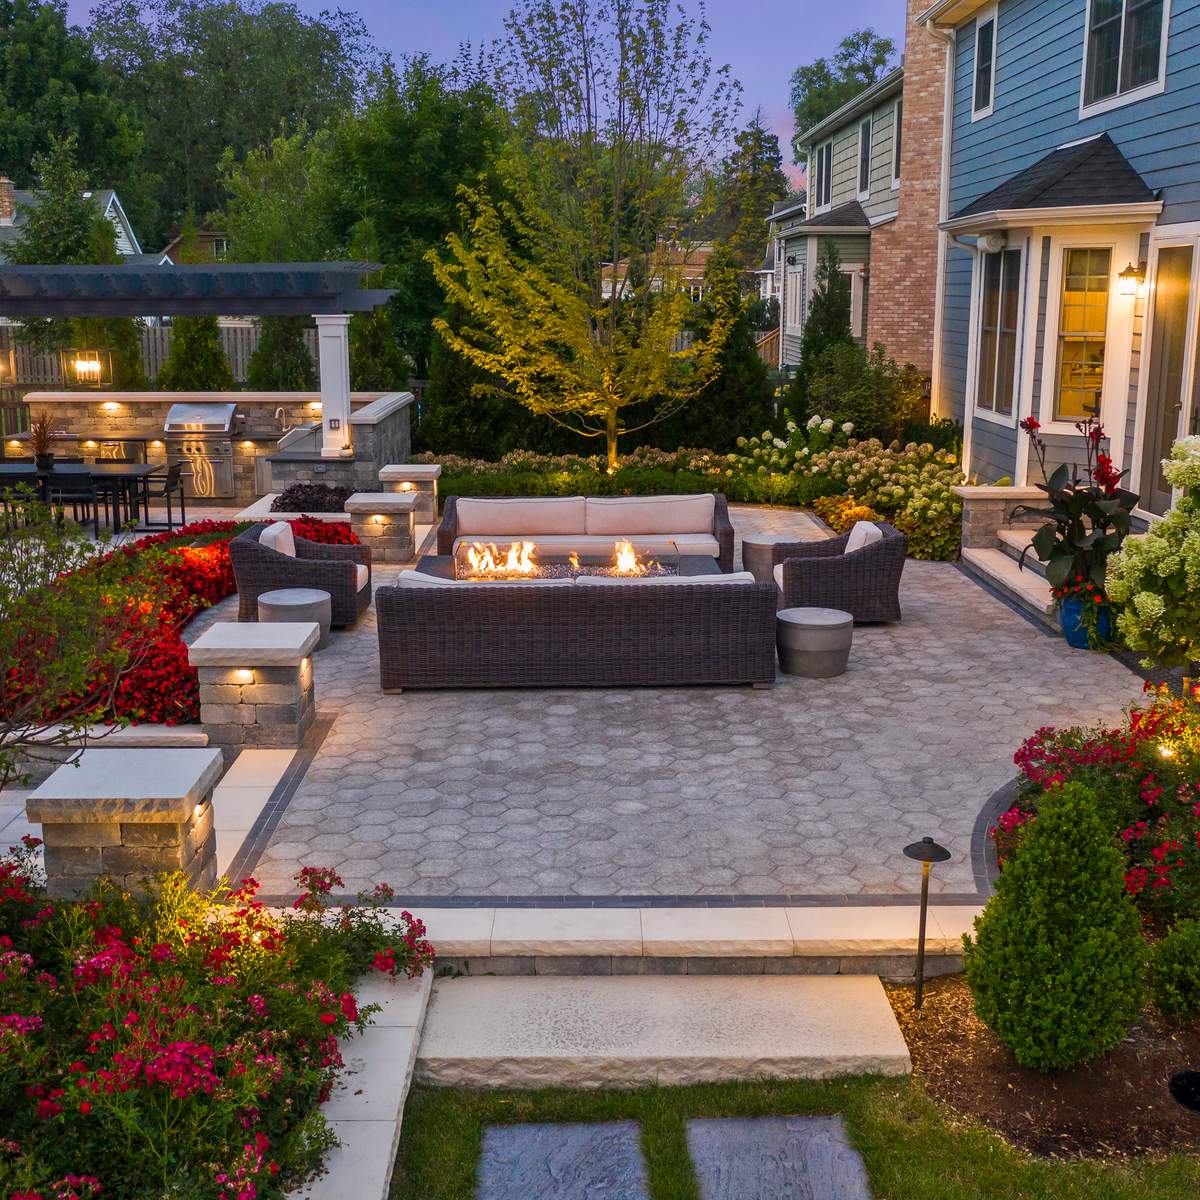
(686, 262)
(764, 274)
(1071, 219)
(206, 243)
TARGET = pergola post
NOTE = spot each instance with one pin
(333, 346)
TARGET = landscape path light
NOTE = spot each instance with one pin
(1185, 1088)
(926, 852)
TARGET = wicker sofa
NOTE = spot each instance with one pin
(342, 571)
(715, 630)
(864, 582)
(696, 524)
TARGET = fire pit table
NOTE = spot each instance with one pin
(441, 566)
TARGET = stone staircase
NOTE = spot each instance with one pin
(1000, 568)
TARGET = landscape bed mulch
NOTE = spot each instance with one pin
(1116, 1106)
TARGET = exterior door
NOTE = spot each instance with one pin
(1164, 393)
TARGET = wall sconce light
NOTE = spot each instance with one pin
(406, 486)
(8, 369)
(926, 852)
(791, 260)
(156, 442)
(314, 406)
(244, 675)
(87, 368)
(1131, 279)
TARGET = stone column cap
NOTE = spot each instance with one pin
(131, 786)
(381, 502)
(399, 472)
(974, 491)
(254, 644)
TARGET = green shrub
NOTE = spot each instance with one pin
(1057, 960)
(865, 387)
(1176, 972)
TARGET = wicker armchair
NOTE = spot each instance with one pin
(259, 569)
(865, 584)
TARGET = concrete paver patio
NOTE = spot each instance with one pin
(809, 789)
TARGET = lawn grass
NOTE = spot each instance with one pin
(912, 1149)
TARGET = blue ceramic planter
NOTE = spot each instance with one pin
(1070, 614)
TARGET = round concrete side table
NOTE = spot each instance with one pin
(757, 549)
(298, 604)
(813, 642)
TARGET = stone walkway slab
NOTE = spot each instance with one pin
(562, 1162)
(625, 1031)
(776, 1158)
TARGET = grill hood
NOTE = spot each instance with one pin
(201, 417)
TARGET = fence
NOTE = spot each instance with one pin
(768, 348)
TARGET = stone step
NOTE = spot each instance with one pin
(1014, 540)
(1025, 588)
(633, 1031)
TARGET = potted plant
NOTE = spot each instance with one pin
(1088, 519)
(39, 438)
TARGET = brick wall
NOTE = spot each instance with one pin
(904, 253)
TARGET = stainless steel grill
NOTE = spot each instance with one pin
(200, 434)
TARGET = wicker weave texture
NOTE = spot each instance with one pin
(865, 584)
(258, 568)
(529, 636)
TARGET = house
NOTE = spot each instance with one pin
(15, 202)
(205, 243)
(764, 274)
(686, 263)
(1070, 226)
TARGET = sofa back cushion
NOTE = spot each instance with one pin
(278, 536)
(619, 515)
(501, 518)
(864, 533)
(739, 577)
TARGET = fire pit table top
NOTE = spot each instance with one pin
(442, 565)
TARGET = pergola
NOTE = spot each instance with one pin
(329, 292)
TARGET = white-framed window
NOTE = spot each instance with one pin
(897, 140)
(854, 273)
(793, 282)
(220, 247)
(1125, 52)
(983, 95)
(864, 158)
(1082, 332)
(999, 332)
(821, 175)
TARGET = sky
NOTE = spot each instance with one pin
(763, 41)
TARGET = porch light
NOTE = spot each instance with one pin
(87, 368)
(1131, 279)
(926, 852)
(8, 369)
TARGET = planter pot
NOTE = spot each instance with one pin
(1070, 615)
(43, 462)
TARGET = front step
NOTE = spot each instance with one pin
(636, 1031)
(1025, 588)
(1016, 539)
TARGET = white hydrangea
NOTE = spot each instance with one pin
(1182, 469)
(827, 426)
(813, 421)
(848, 427)
(778, 443)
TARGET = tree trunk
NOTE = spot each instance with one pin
(610, 437)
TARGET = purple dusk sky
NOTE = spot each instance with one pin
(762, 40)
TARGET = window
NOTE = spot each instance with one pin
(855, 275)
(998, 330)
(822, 176)
(220, 247)
(864, 159)
(985, 65)
(1081, 332)
(1126, 47)
(897, 142)
(794, 296)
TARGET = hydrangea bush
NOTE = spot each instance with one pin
(178, 1045)
(1155, 580)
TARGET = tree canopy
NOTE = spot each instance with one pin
(823, 86)
(749, 181)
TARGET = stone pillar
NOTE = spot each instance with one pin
(385, 522)
(987, 510)
(256, 683)
(333, 354)
(129, 815)
(419, 478)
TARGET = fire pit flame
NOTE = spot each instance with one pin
(628, 562)
(518, 560)
(490, 560)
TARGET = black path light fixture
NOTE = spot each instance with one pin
(926, 852)
(1185, 1089)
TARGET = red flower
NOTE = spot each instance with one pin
(1031, 425)
(328, 1018)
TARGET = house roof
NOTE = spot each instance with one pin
(785, 208)
(1091, 174)
(105, 198)
(219, 289)
(951, 12)
(891, 83)
(849, 216)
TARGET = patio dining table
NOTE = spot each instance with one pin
(128, 482)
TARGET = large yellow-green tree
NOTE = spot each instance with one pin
(570, 266)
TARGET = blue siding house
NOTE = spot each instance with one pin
(1070, 259)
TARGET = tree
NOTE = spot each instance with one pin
(52, 86)
(749, 182)
(823, 86)
(67, 228)
(281, 361)
(827, 324)
(1057, 960)
(205, 76)
(196, 362)
(617, 110)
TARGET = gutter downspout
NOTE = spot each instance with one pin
(950, 40)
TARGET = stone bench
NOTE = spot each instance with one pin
(419, 478)
(128, 814)
(256, 683)
(386, 522)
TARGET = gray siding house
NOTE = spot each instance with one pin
(853, 181)
(1069, 277)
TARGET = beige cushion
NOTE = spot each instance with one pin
(278, 536)
(778, 574)
(650, 514)
(740, 577)
(420, 579)
(519, 518)
(361, 574)
(685, 543)
(864, 533)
